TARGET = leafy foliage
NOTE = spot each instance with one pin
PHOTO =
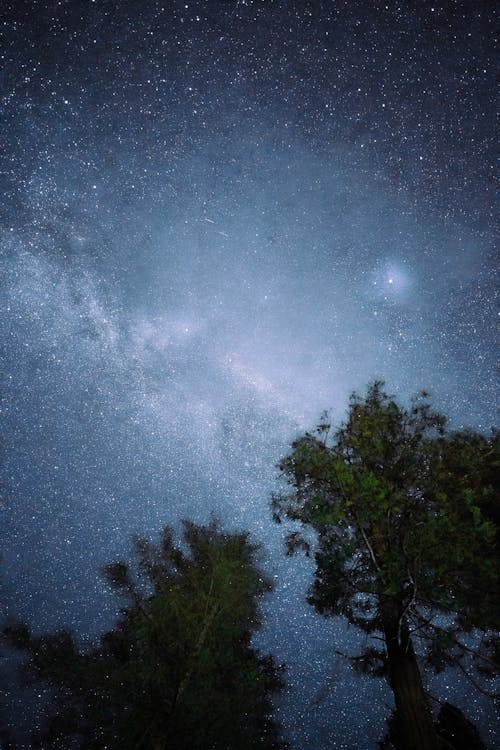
(399, 507)
(178, 671)
(406, 522)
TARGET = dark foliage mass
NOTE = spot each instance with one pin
(178, 671)
(454, 731)
(406, 546)
(402, 516)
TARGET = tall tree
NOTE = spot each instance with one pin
(400, 509)
(178, 671)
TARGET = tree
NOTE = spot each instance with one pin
(454, 730)
(178, 671)
(403, 545)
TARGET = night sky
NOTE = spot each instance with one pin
(218, 219)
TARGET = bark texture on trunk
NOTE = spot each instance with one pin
(414, 715)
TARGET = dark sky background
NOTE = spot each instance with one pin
(219, 218)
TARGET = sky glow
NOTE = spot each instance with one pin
(221, 218)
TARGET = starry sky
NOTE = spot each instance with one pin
(218, 219)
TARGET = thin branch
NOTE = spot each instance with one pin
(211, 615)
(410, 603)
(462, 646)
(487, 693)
(423, 623)
(368, 545)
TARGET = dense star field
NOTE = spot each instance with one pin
(220, 218)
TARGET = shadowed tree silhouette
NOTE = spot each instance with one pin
(403, 515)
(454, 731)
(178, 671)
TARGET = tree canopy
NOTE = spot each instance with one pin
(178, 671)
(405, 543)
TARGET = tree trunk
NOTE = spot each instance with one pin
(412, 708)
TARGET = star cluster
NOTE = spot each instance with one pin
(219, 219)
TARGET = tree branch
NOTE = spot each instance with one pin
(406, 608)
(209, 616)
(487, 693)
(367, 542)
